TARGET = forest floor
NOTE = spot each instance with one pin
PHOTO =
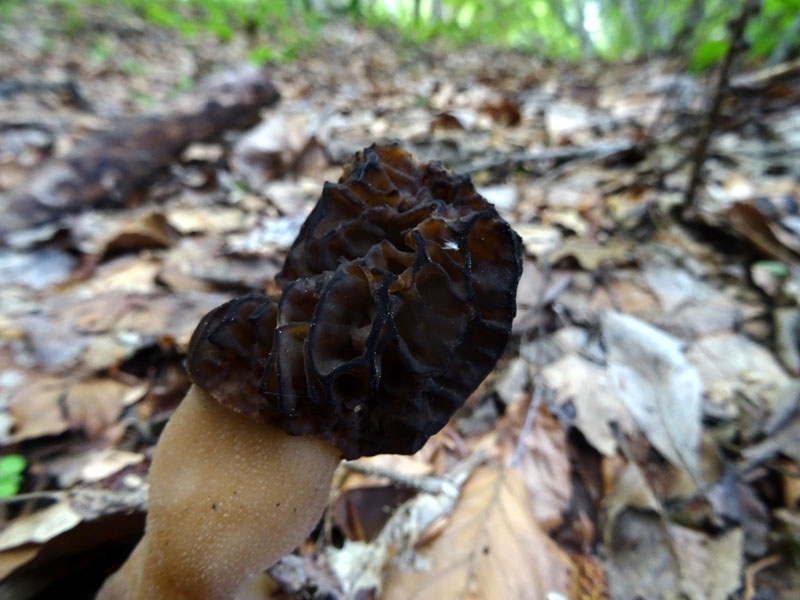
(639, 439)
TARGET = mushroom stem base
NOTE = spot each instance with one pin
(228, 497)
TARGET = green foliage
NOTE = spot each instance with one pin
(287, 27)
(7, 8)
(11, 468)
(776, 24)
(279, 30)
(609, 29)
(775, 268)
(708, 54)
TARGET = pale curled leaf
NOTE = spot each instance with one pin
(40, 527)
(733, 365)
(586, 385)
(491, 548)
(91, 466)
(663, 391)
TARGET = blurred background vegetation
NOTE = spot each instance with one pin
(555, 29)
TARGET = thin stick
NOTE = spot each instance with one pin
(530, 416)
(596, 152)
(712, 115)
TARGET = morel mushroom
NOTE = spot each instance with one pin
(398, 297)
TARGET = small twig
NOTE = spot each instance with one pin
(39, 486)
(712, 115)
(596, 152)
(530, 417)
(429, 484)
(31, 496)
(752, 570)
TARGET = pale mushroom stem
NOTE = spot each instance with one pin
(229, 496)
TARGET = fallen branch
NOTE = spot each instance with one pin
(111, 167)
(596, 152)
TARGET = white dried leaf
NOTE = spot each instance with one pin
(662, 390)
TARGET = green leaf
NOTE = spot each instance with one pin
(262, 54)
(773, 267)
(11, 469)
(708, 54)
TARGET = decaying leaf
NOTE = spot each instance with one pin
(587, 387)
(40, 527)
(91, 466)
(540, 240)
(37, 270)
(625, 292)
(491, 548)
(691, 307)
(734, 367)
(627, 489)
(203, 219)
(542, 458)
(149, 231)
(591, 255)
(360, 566)
(513, 381)
(689, 564)
(36, 409)
(660, 387)
(748, 220)
(95, 404)
(68, 527)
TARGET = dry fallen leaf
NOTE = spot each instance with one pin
(691, 307)
(540, 240)
(40, 527)
(491, 548)
(205, 219)
(625, 292)
(37, 270)
(659, 386)
(69, 527)
(95, 404)
(544, 465)
(627, 489)
(36, 409)
(148, 231)
(91, 466)
(586, 385)
(767, 236)
(591, 255)
(690, 564)
(736, 368)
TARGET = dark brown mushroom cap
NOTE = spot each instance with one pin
(398, 297)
